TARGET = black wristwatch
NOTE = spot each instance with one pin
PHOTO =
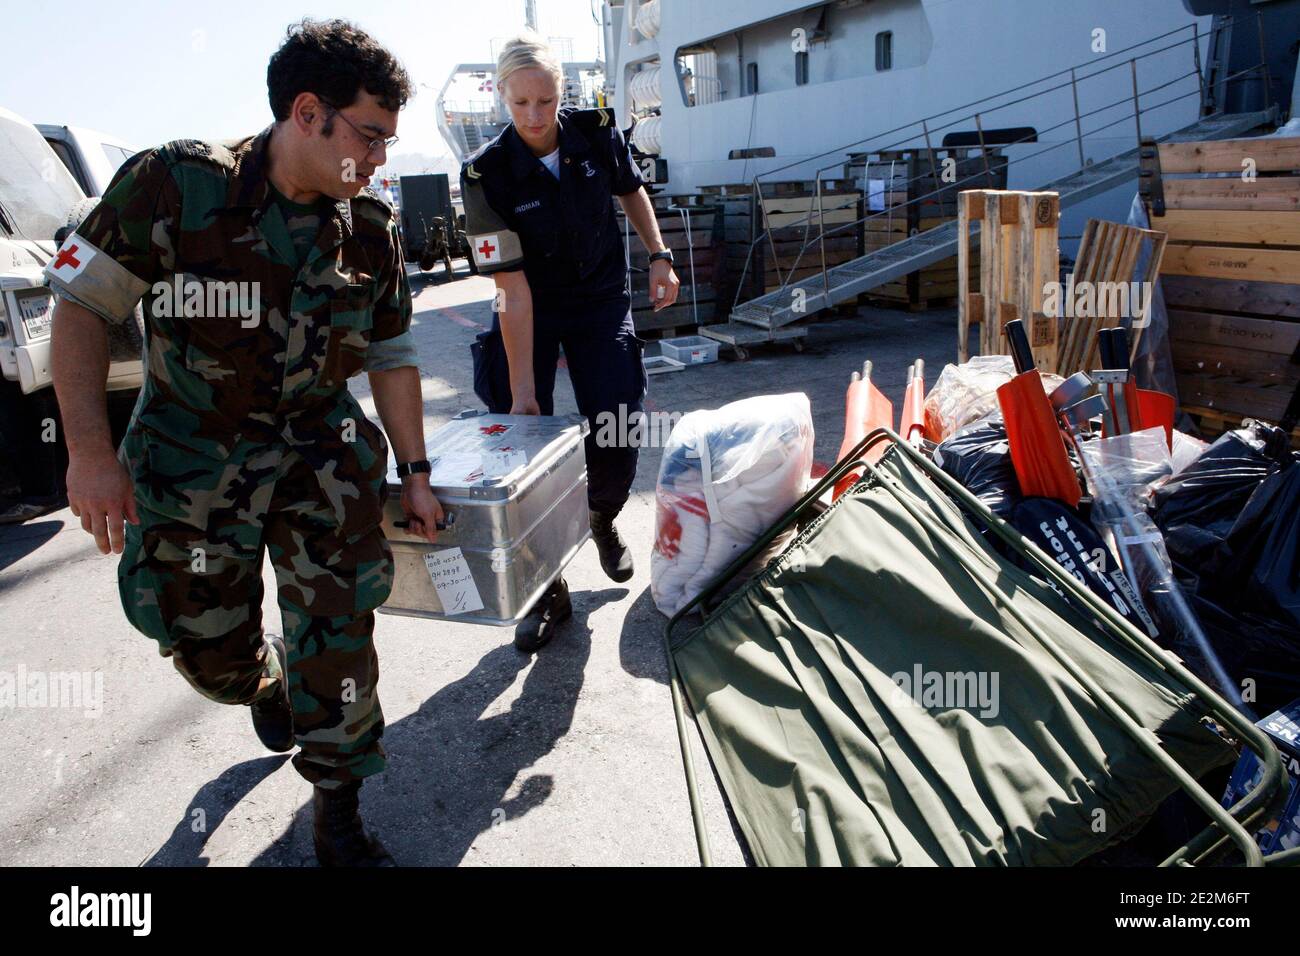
(662, 254)
(405, 468)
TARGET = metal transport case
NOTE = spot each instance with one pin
(514, 491)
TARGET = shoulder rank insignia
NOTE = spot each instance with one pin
(472, 173)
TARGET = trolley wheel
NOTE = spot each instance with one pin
(742, 355)
(798, 345)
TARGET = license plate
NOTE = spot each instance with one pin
(35, 310)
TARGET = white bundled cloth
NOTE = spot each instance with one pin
(726, 476)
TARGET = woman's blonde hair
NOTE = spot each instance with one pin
(525, 52)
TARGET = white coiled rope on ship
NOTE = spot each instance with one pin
(644, 88)
(645, 135)
(647, 19)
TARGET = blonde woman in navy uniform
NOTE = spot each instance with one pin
(539, 215)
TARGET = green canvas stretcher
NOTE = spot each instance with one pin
(890, 691)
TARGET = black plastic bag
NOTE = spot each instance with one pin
(1232, 527)
(1257, 567)
(980, 458)
(1197, 508)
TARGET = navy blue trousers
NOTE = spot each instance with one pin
(604, 359)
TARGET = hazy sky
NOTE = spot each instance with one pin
(149, 71)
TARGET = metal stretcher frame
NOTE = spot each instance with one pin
(1231, 825)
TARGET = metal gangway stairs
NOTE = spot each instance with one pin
(771, 317)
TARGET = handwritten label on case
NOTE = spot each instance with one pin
(453, 581)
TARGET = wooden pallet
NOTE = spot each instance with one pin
(1110, 255)
(700, 264)
(1212, 422)
(786, 218)
(1018, 256)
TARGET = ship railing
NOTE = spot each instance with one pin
(919, 135)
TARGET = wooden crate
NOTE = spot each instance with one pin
(915, 200)
(787, 223)
(1235, 347)
(1230, 273)
(692, 228)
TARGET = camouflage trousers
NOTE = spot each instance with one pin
(199, 595)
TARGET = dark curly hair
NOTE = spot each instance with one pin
(335, 60)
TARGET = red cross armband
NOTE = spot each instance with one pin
(494, 245)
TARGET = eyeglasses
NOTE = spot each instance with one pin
(371, 144)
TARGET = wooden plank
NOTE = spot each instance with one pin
(968, 303)
(1224, 262)
(702, 257)
(990, 273)
(1280, 299)
(678, 315)
(1213, 422)
(1233, 395)
(1270, 154)
(703, 284)
(1219, 227)
(1249, 364)
(1047, 269)
(1267, 336)
(804, 218)
(1158, 242)
(1269, 193)
(676, 241)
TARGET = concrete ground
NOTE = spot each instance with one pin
(566, 758)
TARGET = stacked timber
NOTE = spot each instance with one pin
(908, 194)
(1231, 209)
(776, 239)
(693, 231)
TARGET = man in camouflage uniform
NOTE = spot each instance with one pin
(270, 276)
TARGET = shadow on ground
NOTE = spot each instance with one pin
(209, 807)
(453, 765)
(18, 541)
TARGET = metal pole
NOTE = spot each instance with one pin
(1078, 125)
(984, 154)
(1263, 59)
(889, 215)
(1196, 61)
(1137, 110)
(762, 279)
(934, 170)
(821, 240)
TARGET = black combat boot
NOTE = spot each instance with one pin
(273, 715)
(615, 556)
(338, 833)
(552, 609)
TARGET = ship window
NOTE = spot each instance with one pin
(885, 50)
(800, 69)
(751, 78)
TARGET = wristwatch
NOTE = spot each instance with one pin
(405, 468)
(662, 254)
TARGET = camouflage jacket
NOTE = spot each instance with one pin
(245, 352)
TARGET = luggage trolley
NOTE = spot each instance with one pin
(1229, 827)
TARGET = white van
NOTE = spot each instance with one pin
(91, 156)
(37, 198)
